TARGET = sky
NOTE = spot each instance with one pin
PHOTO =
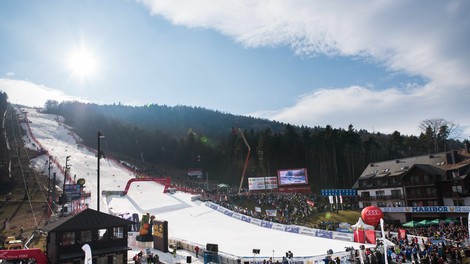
(382, 66)
(188, 220)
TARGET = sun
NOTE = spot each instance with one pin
(82, 63)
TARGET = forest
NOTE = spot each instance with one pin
(171, 140)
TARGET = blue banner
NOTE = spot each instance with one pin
(292, 229)
(336, 192)
(324, 234)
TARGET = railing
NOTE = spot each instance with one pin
(380, 198)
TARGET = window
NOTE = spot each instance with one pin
(86, 236)
(379, 193)
(118, 259)
(102, 260)
(68, 238)
(457, 188)
(103, 234)
(396, 194)
(118, 232)
(381, 204)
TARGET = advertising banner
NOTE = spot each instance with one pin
(262, 183)
(324, 234)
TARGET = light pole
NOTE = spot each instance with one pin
(100, 136)
(64, 196)
(49, 192)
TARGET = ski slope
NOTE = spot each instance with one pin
(189, 220)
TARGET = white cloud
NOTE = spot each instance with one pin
(424, 38)
(10, 74)
(31, 94)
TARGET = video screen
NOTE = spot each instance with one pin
(292, 176)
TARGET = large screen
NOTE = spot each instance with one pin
(292, 176)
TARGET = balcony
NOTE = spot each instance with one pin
(380, 198)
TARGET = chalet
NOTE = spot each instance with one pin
(105, 234)
(419, 187)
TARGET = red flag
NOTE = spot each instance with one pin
(402, 234)
(370, 236)
(310, 203)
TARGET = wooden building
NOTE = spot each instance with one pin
(105, 234)
(420, 187)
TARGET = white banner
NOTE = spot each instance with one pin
(330, 198)
(262, 183)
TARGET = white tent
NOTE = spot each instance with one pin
(361, 225)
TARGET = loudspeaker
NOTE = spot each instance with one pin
(188, 259)
(212, 247)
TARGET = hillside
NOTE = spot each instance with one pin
(172, 140)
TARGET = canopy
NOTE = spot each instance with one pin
(425, 222)
(435, 222)
(411, 224)
(450, 220)
(361, 225)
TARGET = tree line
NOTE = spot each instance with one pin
(181, 137)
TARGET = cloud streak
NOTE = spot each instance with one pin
(423, 38)
(31, 94)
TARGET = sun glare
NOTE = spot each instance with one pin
(82, 63)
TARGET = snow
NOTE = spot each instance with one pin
(188, 220)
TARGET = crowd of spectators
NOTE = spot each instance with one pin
(289, 208)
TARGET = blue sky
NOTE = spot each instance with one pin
(378, 65)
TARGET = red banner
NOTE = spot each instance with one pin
(370, 236)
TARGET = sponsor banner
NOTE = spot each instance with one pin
(302, 189)
(237, 216)
(72, 191)
(279, 227)
(343, 236)
(246, 219)
(324, 233)
(344, 225)
(212, 205)
(344, 257)
(262, 183)
(271, 213)
(195, 173)
(257, 209)
(255, 221)
(292, 229)
(266, 224)
(221, 209)
(307, 231)
(228, 212)
(427, 209)
(336, 192)
(344, 230)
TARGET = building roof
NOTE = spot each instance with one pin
(86, 219)
(399, 167)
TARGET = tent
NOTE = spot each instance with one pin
(425, 222)
(450, 220)
(361, 225)
(435, 221)
(412, 224)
